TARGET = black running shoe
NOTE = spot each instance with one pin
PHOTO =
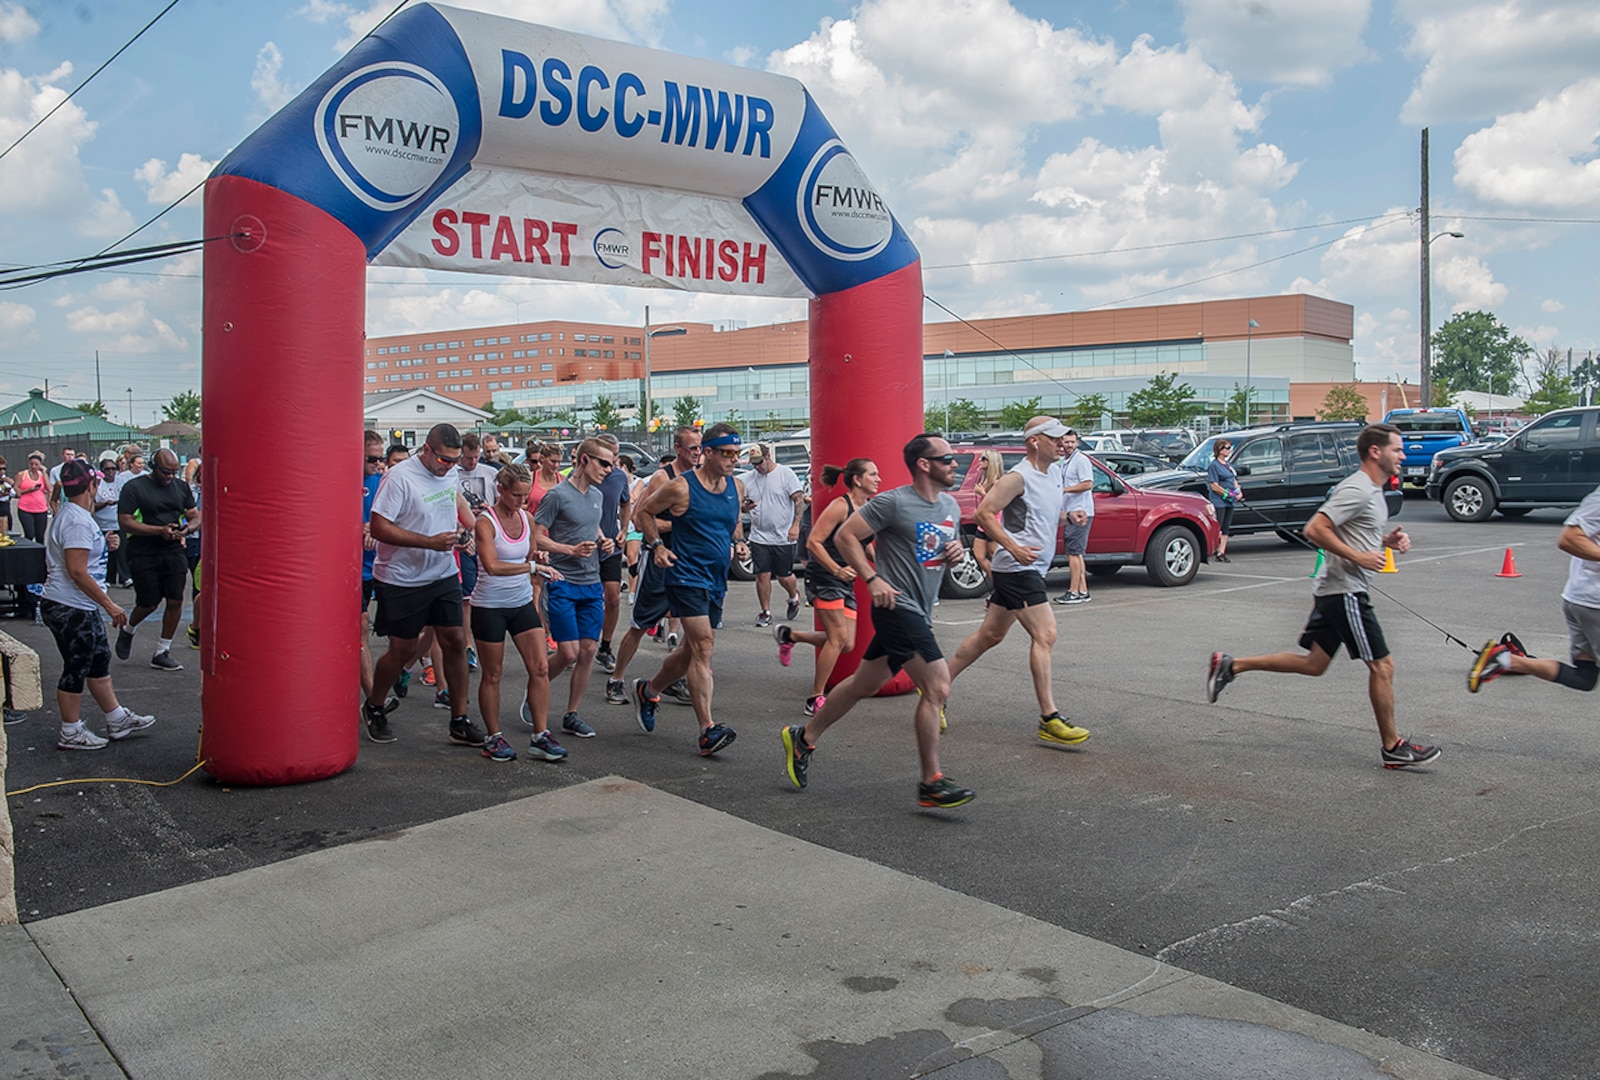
(465, 732)
(644, 705)
(607, 660)
(124, 643)
(1220, 674)
(1512, 642)
(377, 720)
(793, 609)
(679, 692)
(798, 753)
(1409, 753)
(163, 661)
(714, 738)
(943, 793)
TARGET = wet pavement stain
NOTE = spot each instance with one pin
(869, 984)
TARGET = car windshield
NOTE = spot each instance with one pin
(1422, 423)
(1199, 458)
(794, 454)
(1166, 440)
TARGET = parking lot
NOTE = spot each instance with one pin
(1256, 841)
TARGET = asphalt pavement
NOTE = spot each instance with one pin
(1255, 843)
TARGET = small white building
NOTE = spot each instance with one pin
(404, 416)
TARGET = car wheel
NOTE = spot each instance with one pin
(965, 579)
(1468, 498)
(1104, 569)
(1515, 511)
(741, 569)
(1173, 557)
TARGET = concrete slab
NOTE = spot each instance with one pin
(42, 1031)
(612, 930)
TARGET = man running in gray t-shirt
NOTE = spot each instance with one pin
(915, 529)
(1350, 528)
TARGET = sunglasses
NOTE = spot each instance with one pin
(607, 462)
(166, 472)
(373, 460)
(729, 452)
(943, 459)
(447, 460)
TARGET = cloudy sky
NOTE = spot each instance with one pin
(1044, 156)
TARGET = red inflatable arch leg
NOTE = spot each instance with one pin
(866, 400)
(282, 396)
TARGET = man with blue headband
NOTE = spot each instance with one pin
(702, 506)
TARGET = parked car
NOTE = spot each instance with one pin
(1425, 433)
(1169, 532)
(1128, 464)
(1174, 444)
(1554, 461)
(1285, 472)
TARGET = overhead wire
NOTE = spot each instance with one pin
(40, 122)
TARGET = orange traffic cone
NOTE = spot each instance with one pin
(1388, 562)
(1508, 568)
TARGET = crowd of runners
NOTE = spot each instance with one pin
(464, 549)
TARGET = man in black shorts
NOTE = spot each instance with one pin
(419, 518)
(915, 528)
(166, 515)
(1021, 515)
(773, 496)
(613, 521)
(1350, 528)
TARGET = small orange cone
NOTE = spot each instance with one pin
(1508, 568)
(1388, 562)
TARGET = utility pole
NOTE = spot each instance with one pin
(1426, 351)
(98, 399)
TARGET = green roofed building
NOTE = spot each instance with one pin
(37, 417)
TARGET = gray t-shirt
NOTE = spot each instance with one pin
(571, 516)
(1360, 518)
(1583, 576)
(911, 534)
(773, 493)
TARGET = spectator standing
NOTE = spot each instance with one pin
(1077, 503)
(105, 511)
(158, 513)
(1222, 485)
(71, 607)
(773, 496)
(33, 498)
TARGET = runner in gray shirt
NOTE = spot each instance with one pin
(1350, 527)
(915, 529)
(1580, 604)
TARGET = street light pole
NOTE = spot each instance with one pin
(1425, 397)
(1248, 327)
(649, 413)
(130, 408)
(945, 378)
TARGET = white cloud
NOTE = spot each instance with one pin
(130, 328)
(638, 20)
(105, 218)
(1552, 307)
(1467, 283)
(43, 174)
(16, 25)
(162, 187)
(1542, 158)
(266, 80)
(1280, 41)
(15, 318)
(1484, 58)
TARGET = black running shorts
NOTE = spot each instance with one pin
(1018, 589)
(774, 559)
(899, 634)
(404, 611)
(1345, 619)
(493, 624)
(159, 574)
(611, 567)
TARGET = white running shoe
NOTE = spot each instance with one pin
(130, 723)
(82, 739)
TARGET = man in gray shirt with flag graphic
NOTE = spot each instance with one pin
(914, 531)
(1350, 528)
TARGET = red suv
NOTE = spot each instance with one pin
(1170, 532)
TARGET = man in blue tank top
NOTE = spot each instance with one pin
(703, 507)
(1021, 514)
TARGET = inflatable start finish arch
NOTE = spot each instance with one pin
(459, 141)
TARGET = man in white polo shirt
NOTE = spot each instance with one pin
(419, 519)
(1077, 503)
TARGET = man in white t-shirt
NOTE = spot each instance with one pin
(419, 519)
(1077, 503)
(1580, 604)
(773, 496)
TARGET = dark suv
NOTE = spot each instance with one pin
(1554, 461)
(1285, 472)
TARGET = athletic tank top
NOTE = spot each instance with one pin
(702, 538)
(1031, 518)
(514, 591)
(820, 572)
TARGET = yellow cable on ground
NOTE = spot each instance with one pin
(107, 780)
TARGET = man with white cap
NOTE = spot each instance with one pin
(1021, 514)
(773, 496)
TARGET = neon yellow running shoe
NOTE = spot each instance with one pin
(1054, 729)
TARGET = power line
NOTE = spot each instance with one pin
(87, 81)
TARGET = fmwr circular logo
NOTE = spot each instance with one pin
(612, 248)
(839, 208)
(388, 131)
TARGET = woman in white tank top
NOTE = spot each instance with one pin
(503, 604)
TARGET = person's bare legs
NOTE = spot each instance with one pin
(70, 706)
(452, 643)
(837, 637)
(1078, 582)
(579, 656)
(491, 665)
(791, 587)
(867, 679)
(366, 654)
(1312, 663)
(625, 650)
(1380, 691)
(933, 679)
(692, 659)
(1040, 623)
(764, 590)
(400, 653)
(992, 631)
(530, 644)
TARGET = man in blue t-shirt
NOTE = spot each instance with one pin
(372, 476)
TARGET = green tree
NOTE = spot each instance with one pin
(184, 408)
(1475, 351)
(94, 408)
(1015, 415)
(770, 423)
(685, 411)
(1240, 408)
(1089, 410)
(1343, 402)
(1162, 402)
(505, 417)
(735, 419)
(604, 414)
(963, 415)
(1551, 387)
